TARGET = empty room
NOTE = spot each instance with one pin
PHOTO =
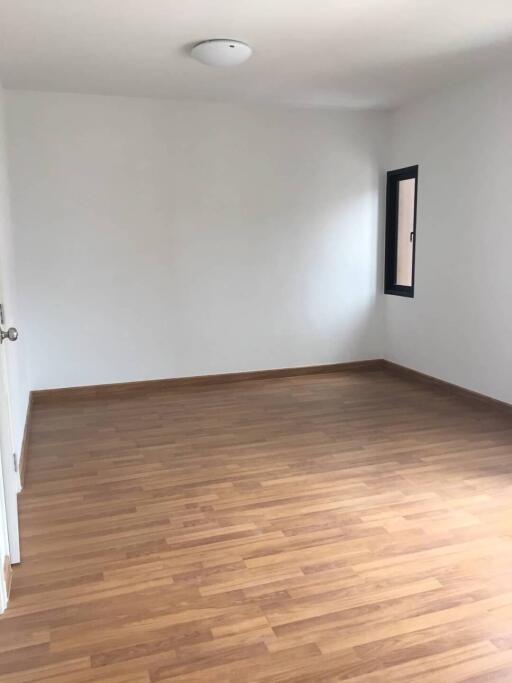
(255, 341)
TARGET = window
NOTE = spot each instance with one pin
(401, 194)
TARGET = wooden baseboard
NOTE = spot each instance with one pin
(449, 386)
(24, 443)
(7, 569)
(121, 389)
(130, 388)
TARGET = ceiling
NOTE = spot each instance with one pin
(325, 53)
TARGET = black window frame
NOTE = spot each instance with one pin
(392, 183)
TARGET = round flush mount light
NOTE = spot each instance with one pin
(221, 52)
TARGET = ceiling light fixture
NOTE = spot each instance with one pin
(221, 52)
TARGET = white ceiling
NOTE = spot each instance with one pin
(335, 53)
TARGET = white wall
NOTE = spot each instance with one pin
(161, 239)
(459, 325)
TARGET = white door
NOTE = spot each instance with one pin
(4, 546)
(9, 473)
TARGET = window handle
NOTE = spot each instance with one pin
(411, 236)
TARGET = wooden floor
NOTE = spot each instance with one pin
(345, 527)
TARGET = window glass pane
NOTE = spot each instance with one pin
(406, 192)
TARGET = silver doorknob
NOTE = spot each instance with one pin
(11, 334)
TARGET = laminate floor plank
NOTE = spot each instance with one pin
(351, 526)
